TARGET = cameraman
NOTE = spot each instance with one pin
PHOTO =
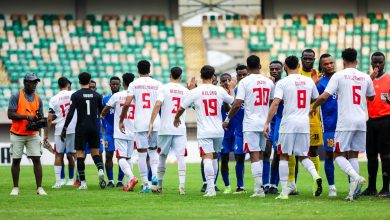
(22, 110)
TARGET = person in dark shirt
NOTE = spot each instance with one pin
(88, 104)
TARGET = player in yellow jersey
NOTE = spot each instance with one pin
(316, 140)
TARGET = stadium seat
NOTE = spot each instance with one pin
(56, 45)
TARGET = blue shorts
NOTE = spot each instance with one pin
(87, 151)
(239, 145)
(109, 143)
(328, 141)
(227, 145)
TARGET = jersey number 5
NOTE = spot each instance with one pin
(63, 109)
(146, 100)
(356, 98)
(262, 96)
(210, 107)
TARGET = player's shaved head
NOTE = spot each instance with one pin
(143, 67)
(84, 78)
(207, 72)
(176, 72)
(128, 78)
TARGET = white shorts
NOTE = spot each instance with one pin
(68, 145)
(123, 148)
(350, 141)
(145, 142)
(294, 143)
(209, 145)
(176, 142)
(254, 141)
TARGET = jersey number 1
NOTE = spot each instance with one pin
(88, 107)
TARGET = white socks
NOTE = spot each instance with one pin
(209, 173)
(355, 164)
(153, 155)
(309, 166)
(347, 167)
(57, 172)
(283, 175)
(257, 173)
(143, 167)
(181, 168)
(125, 167)
(161, 169)
(215, 167)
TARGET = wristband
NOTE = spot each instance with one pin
(227, 119)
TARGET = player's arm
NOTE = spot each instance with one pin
(156, 109)
(179, 113)
(50, 120)
(233, 111)
(319, 101)
(70, 115)
(105, 111)
(271, 114)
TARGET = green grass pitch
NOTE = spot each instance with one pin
(94, 203)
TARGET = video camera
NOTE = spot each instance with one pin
(40, 122)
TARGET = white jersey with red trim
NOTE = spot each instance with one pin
(59, 106)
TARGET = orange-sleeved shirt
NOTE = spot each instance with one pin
(378, 107)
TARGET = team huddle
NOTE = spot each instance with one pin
(294, 115)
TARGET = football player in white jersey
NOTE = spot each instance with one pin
(144, 93)
(352, 87)
(170, 96)
(255, 91)
(58, 109)
(207, 99)
(296, 92)
(124, 143)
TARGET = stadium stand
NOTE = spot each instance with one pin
(55, 45)
(291, 34)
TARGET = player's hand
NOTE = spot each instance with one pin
(150, 130)
(375, 73)
(266, 131)
(105, 144)
(192, 84)
(225, 125)
(32, 118)
(272, 78)
(122, 127)
(63, 134)
(312, 112)
(315, 77)
(177, 122)
(101, 116)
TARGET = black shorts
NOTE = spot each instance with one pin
(378, 136)
(88, 136)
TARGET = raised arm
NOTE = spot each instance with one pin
(233, 111)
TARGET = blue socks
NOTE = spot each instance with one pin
(120, 174)
(274, 180)
(63, 172)
(329, 171)
(110, 174)
(266, 171)
(240, 170)
(71, 172)
(150, 174)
